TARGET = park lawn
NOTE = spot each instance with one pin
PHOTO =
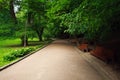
(10, 45)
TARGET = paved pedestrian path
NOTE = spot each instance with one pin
(57, 61)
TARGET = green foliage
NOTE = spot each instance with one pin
(55, 9)
(22, 30)
(93, 18)
(6, 24)
(17, 54)
(33, 13)
(6, 30)
(51, 18)
(12, 45)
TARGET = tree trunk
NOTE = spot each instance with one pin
(39, 33)
(12, 12)
(24, 41)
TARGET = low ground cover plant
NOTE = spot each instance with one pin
(17, 54)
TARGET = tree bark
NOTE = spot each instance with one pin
(12, 12)
(39, 33)
(24, 42)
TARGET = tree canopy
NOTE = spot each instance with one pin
(97, 20)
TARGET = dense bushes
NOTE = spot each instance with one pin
(17, 54)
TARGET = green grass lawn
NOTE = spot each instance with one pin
(10, 45)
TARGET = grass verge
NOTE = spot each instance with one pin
(11, 50)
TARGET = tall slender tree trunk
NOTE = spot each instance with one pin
(24, 42)
(25, 35)
(28, 22)
(12, 12)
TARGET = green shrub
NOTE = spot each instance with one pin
(17, 54)
(9, 57)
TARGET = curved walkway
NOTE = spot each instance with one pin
(58, 61)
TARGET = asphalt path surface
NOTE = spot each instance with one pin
(58, 61)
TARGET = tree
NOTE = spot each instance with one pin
(7, 28)
(30, 19)
(36, 16)
(91, 18)
(55, 9)
(12, 12)
(94, 19)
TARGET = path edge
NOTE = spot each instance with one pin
(96, 67)
(16, 61)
